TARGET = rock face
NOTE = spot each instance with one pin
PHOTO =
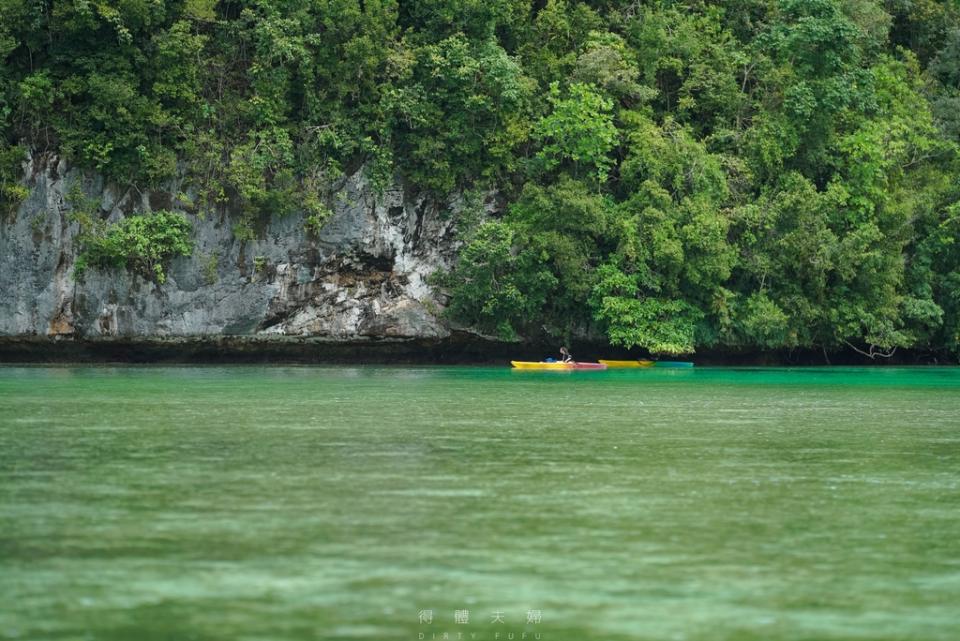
(364, 276)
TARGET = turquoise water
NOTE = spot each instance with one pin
(348, 503)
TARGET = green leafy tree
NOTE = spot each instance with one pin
(578, 130)
(497, 288)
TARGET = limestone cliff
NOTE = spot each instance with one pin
(363, 276)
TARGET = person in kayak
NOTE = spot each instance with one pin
(565, 356)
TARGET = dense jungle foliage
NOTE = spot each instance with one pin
(678, 173)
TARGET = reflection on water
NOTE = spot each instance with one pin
(347, 503)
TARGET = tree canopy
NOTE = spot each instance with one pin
(678, 173)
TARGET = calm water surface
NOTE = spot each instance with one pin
(276, 503)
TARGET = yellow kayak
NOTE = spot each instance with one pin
(558, 366)
(623, 364)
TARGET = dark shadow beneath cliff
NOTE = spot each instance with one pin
(459, 348)
(240, 349)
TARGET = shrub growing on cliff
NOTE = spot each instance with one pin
(144, 244)
(12, 193)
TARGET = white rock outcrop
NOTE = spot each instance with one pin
(364, 276)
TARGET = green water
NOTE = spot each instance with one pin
(274, 503)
